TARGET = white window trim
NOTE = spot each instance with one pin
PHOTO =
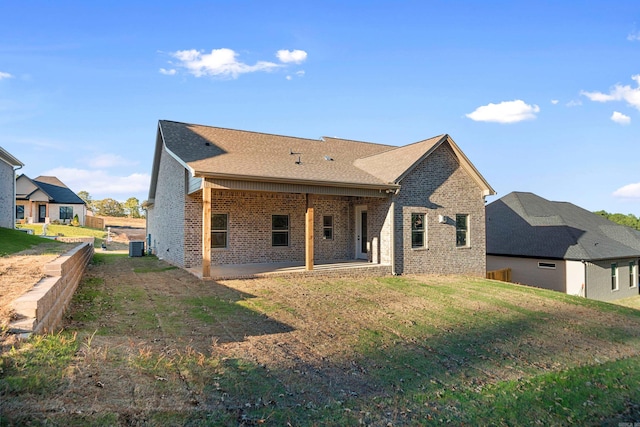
(218, 231)
(633, 274)
(468, 230)
(549, 266)
(617, 276)
(424, 231)
(324, 227)
(288, 230)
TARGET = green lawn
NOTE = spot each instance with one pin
(12, 241)
(147, 344)
(68, 231)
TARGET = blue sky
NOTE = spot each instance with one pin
(542, 96)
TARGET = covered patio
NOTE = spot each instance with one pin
(348, 268)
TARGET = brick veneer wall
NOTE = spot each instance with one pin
(7, 180)
(42, 307)
(439, 186)
(249, 218)
(166, 216)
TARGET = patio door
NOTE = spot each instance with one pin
(42, 213)
(361, 232)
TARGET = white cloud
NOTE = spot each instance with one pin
(100, 184)
(630, 191)
(554, 101)
(634, 36)
(505, 112)
(297, 73)
(574, 103)
(618, 93)
(620, 118)
(166, 72)
(4, 75)
(220, 62)
(108, 161)
(291, 56)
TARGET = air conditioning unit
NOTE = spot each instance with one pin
(136, 249)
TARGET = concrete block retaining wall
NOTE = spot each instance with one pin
(41, 308)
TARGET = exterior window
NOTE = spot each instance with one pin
(632, 274)
(66, 212)
(280, 230)
(327, 227)
(550, 265)
(417, 231)
(19, 212)
(614, 277)
(219, 230)
(462, 230)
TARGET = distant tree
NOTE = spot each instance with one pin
(109, 207)
(630, 220)
(86, 197)
(132, 207)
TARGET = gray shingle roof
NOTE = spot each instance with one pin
(524, 224)
(56, 190)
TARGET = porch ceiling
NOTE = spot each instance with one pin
(289, 187)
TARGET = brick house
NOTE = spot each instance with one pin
(267, 198)
(8, 167)
(46, 199)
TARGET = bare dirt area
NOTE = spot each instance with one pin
(124, 230)
(157, 346)
(20, 272)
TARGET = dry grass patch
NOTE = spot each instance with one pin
(20, 271)
(156, 346)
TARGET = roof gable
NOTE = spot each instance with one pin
(395, 164)
(524, 224)
(50, 180)
(46, 188)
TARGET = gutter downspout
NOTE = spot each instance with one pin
(14, 195)
(393, 237)
(584, 285)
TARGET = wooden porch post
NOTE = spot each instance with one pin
(309, 234)
(206, 232)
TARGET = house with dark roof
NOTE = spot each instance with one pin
(222, 197)
(560, 246)
(46, 199)
(8, 166)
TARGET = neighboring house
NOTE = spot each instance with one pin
(560, 246)
(267, 198)
(46, 199)
(8, 167)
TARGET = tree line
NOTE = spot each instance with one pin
(629, 220)
(110, 207)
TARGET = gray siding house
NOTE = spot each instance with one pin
(227, 197)
(8, 165)
(560, 246)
